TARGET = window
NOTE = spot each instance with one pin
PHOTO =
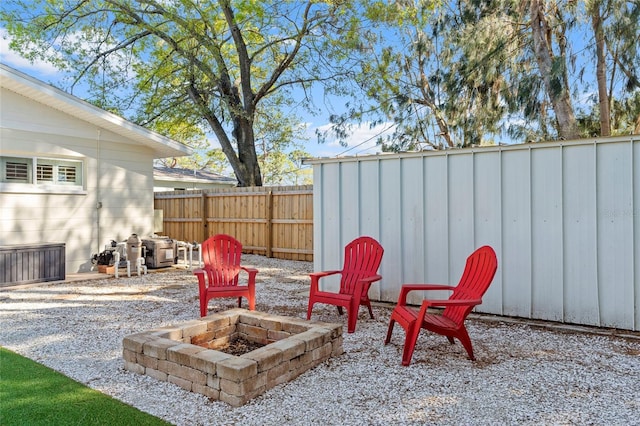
(17, 171)
(44, 172)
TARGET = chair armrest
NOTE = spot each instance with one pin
(363, 285)
(407, 288)
(251, 281)
(323, 274)
(315, 277)
(202, 280)
(458, 302)
(250, 271)
(371, 279)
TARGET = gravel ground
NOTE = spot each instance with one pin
(524, 374)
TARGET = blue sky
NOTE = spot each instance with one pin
(362, 141)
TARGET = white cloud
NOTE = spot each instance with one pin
(362, 141)
(15, 60)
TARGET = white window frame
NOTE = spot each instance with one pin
(45, 175)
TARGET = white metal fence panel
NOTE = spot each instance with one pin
(564, 219)
(547, 296)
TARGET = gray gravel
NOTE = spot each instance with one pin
(525, 374)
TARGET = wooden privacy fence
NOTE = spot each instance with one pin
(271, 221)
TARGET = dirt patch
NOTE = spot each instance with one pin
(239, 346)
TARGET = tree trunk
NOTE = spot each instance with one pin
(248, 173)
(554, 84)
(601, 71)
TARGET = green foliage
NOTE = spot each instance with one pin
(442, 74)
(32, 394)
(467, 72)
(205, 65)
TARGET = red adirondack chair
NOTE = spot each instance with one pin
(478, 273)
(362, 258)
(221, 272)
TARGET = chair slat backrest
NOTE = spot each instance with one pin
(478, 273)
(221, 255)
(362, 258)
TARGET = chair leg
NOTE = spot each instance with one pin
(309, 309)
(340, 311)
(239, 302)
(369, 307)
(352, 318)
(410, 343)
(392, 322)
(352, 314)
(463, 336)
(204, 304)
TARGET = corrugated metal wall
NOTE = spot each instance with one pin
(563, 217)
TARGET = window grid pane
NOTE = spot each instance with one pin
(16, 171)
(66, 174)
(45, 173)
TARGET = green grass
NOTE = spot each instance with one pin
(32, 394)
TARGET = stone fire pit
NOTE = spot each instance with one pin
(186, 355)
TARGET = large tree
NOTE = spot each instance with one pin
(205, 65)
(467, 72)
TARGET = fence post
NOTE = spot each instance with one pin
(205, 216)
(269, 239)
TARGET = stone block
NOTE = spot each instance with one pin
(158, 348)
(133, 367)
(128, 355)
(312, 338)
(157, 374)
(226, 331)
(277, 335)
(290, 348)
(203, 338)
(169, 332)
(135, 342)
(279, 371)
(216, 321)
(206, 391)
(208, 360)
(266, 357)
(244, 387)
(271, 323)
(184, 384)
(237, 369)
(187, 373)
(213, 381)
(182, 354)
(257, 333)
(296, 325)
(193, 328)
(147, 361)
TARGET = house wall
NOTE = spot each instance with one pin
(564, 219)
(117, 198)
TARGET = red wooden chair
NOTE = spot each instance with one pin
(478, 273)
(220, 275)
(362, 258)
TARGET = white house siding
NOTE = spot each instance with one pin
(563, 217)
(117, 173)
